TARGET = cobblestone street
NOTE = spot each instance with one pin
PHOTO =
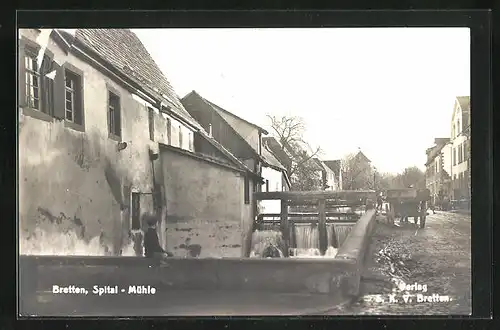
(438, 256)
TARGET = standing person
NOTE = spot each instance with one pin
(379, 202)
(152, 246)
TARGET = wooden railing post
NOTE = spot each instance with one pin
(323, 235)
(285, 230)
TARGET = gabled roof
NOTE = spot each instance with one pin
(269, 160)
(433, 152)
(334, 165)
(224, 111)
(464, 102)
(229, 155)
(361, 156)
(124, 51)
(275, 147)
(320, 165)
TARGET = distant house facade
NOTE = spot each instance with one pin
(329, 183)
(438, 169)
(97, 119)
(336, 167)
(460, 141)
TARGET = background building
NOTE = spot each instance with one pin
(460, 141)
(438, 169)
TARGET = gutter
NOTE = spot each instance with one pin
(83, 50)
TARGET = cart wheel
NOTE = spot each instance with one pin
(422, 221)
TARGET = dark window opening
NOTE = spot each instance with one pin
(247, 190)
(180, 136)
(114, 114)
(267, 185)
(151, 119)
(136, 210)
(169, 131)
(73, 98)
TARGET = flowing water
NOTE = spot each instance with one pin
(307, 238)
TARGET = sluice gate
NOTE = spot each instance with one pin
(312, 219)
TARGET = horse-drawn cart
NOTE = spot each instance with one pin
(409, 202)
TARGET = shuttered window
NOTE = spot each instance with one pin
(114, 114)
(36, 85)
(73, 97)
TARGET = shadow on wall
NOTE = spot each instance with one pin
(62, 235)
(90, 188)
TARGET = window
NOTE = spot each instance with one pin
(151, 122)
(454, 156)
(180, 136)
(191, 141)
(32, 81)
(169, 131)
(247, 189)
(136, 210)
(458, 127)
(267, 185)
(73, 98)
(36, 87)
(114, 114)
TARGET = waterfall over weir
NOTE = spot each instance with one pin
(307, 241)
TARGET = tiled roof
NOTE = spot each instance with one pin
(125, 52)
(270, 159)
(275, 148)
(334, 165)
(227, 153)
(321, 165)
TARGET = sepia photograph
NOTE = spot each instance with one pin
(244, 171)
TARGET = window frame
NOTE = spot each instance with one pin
(112, 135)
(26, 46)
(80, 98)
(151, 123)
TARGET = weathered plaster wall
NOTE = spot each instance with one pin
(205, 203)
(81, 177)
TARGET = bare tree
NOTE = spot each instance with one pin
(303, 172)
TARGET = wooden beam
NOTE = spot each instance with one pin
(323, 234)
(285, 231)
(346, 195)
(309, 214)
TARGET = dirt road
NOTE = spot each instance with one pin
(436, 260)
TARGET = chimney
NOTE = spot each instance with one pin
(210, 130)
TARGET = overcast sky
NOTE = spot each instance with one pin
(388, 91)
